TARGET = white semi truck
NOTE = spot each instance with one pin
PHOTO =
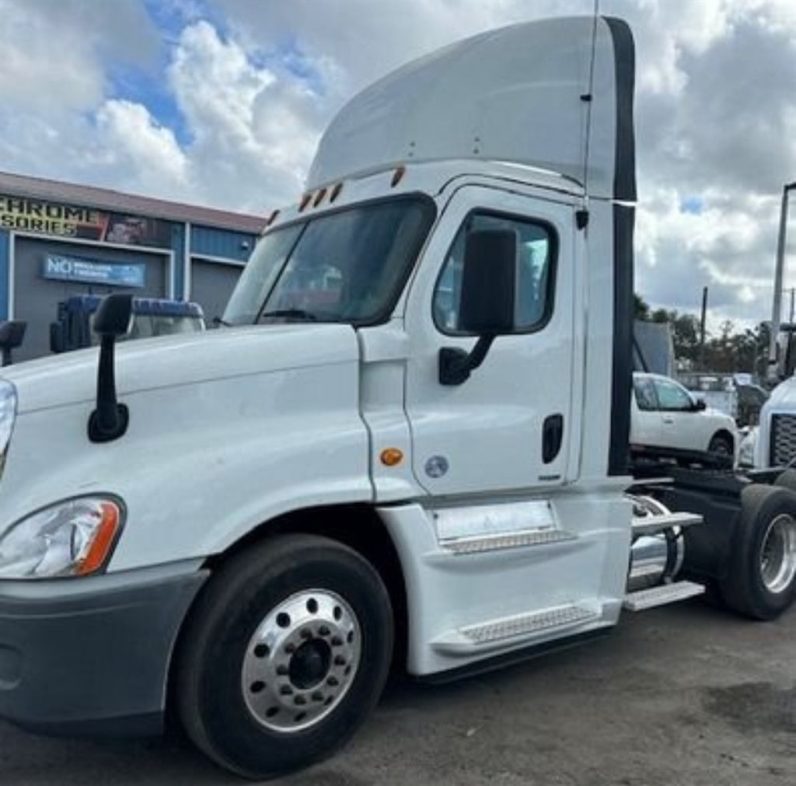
(409, 446)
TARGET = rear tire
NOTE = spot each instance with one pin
(761, 577)
(787, 480)
(284, 656)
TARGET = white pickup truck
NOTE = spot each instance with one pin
(410, 446)
(668, 421)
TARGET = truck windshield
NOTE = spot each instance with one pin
(347, 266)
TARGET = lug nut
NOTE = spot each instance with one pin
(306, 634)
(300, 701)
(286, 690)
(282, 670)
(317, 696)
(290, 648)
(337, 641)
(323, 630)
(339, 660)
(333, 682)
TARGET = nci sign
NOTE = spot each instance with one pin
(89, 271)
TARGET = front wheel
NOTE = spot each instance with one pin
(721, 447)
(285, 655)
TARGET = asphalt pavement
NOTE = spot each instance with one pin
(684, 695)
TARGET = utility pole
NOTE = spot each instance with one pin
(792, 295)
(776, 316)
(702, 328)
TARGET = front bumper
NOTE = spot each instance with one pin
(92, 655)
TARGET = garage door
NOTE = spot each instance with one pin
(211, 285)
(36, 298)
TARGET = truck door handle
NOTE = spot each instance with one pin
(552, 437)
(668, 420)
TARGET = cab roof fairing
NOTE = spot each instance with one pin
(519, 94)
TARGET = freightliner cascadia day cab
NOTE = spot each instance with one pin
(408, 447)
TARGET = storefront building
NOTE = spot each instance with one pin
(60, 239)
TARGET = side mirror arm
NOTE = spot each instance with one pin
(455, 365)
(110, 419)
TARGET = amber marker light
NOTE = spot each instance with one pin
(335, 192)
(272, 218)
(397, 176)
(99, 548)
(319, 197)
(391, 457)
(305, 200)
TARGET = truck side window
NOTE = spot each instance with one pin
(535, 261)
(672, 397)
(645, 394)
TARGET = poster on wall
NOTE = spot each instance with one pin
(92, 271)
(51, 218)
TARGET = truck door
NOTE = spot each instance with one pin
(511, 425)
(681, 425)
(646, 425)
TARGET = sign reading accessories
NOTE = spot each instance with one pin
(51, 218)
(90, 271)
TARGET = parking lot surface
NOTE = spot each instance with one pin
(679, 695)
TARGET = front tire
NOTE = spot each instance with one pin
(284, 656)
(761, 577)
(721, 446)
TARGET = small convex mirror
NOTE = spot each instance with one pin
(114, 316)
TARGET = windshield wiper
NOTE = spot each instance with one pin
(219, 321)
(295, 313)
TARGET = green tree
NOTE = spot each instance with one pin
(641, 308)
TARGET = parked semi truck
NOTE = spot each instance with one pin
(151, 317)
(409, 446)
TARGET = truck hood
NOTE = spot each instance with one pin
(182, 360)
(783, 397)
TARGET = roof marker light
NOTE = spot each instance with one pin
(319, 197)
(305, 200)
(335, 192)
(397, 176)
(272, 218)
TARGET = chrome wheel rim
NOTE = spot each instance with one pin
(778, 554)
(301, 661)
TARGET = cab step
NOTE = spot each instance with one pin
(517, 628)
(650, 525)
(511, 540)
(642, 600)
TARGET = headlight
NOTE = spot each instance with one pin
(8, 413)
(73, 538)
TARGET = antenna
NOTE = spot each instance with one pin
(589, 95)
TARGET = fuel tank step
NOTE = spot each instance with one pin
(661, 595)
(488, 635)
(649, 525)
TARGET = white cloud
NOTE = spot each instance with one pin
(141, 152)
(53, 50)
(254, 133)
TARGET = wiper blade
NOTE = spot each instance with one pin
(220, 321)
(295, 313)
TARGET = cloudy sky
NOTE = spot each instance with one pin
(221, 102)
